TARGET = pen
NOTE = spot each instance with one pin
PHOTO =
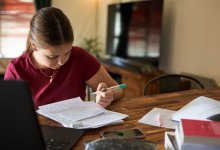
(159, 120)
(121, 86)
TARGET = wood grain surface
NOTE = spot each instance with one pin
(136, 108)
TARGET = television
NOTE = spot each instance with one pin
(134, 31)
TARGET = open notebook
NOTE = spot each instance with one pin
(19, 125)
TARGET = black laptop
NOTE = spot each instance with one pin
(19, 128)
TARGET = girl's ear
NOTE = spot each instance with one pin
(33, 47)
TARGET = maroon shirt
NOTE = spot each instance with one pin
(68, 82)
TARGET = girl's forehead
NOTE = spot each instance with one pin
(57, 50)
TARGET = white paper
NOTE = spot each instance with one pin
(200, 109)
(86, 110)
(65, 122)
(72, 109)
(75, 113)
(100, 120)
(62, 105)
(151, 118)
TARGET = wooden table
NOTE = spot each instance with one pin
(136, 108)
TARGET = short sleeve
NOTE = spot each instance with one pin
(10, 72)
(90, 65)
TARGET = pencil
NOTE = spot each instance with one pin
(117, 87)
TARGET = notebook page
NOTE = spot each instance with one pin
(73, 109)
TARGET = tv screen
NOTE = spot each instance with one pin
(134, 30)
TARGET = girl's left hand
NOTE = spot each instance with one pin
(104, 98)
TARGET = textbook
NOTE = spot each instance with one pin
(198, 134)
(75, 113)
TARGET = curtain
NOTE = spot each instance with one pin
(41, 3)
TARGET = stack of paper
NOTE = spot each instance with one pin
(200, 108)
(75, 113)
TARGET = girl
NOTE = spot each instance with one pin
(56, 70)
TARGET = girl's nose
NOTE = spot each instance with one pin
(60, 61)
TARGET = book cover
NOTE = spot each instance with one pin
(199, 132)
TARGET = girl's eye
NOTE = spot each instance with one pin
(52, 57)
(68, 53)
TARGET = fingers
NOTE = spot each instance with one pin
(103, 103)
(101, 87)
(104, 98)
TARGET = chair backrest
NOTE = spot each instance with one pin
(1, 76)
(170, 83)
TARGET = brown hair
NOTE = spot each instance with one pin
(49, 26)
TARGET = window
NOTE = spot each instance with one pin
(15, 16)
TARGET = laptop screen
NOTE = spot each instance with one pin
(19, 125)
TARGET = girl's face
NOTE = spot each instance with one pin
(52, 56)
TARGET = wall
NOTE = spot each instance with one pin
(191, 37)
(82, 15)
(191, 32)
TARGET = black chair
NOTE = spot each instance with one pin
(170, 83)
(88, 93)
(1, 76)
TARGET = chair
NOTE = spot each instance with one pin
(1, 76)
(170, 83)
(88, 93)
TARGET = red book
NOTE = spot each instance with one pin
(198, 134)
(201, 128)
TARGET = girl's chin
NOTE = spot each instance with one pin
(56, 67)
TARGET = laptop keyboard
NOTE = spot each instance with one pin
(52, 144)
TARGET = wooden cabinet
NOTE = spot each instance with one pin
(134, 80)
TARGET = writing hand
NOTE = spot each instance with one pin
(103, 97)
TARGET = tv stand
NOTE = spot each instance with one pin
(128, 64)
(131, 73)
